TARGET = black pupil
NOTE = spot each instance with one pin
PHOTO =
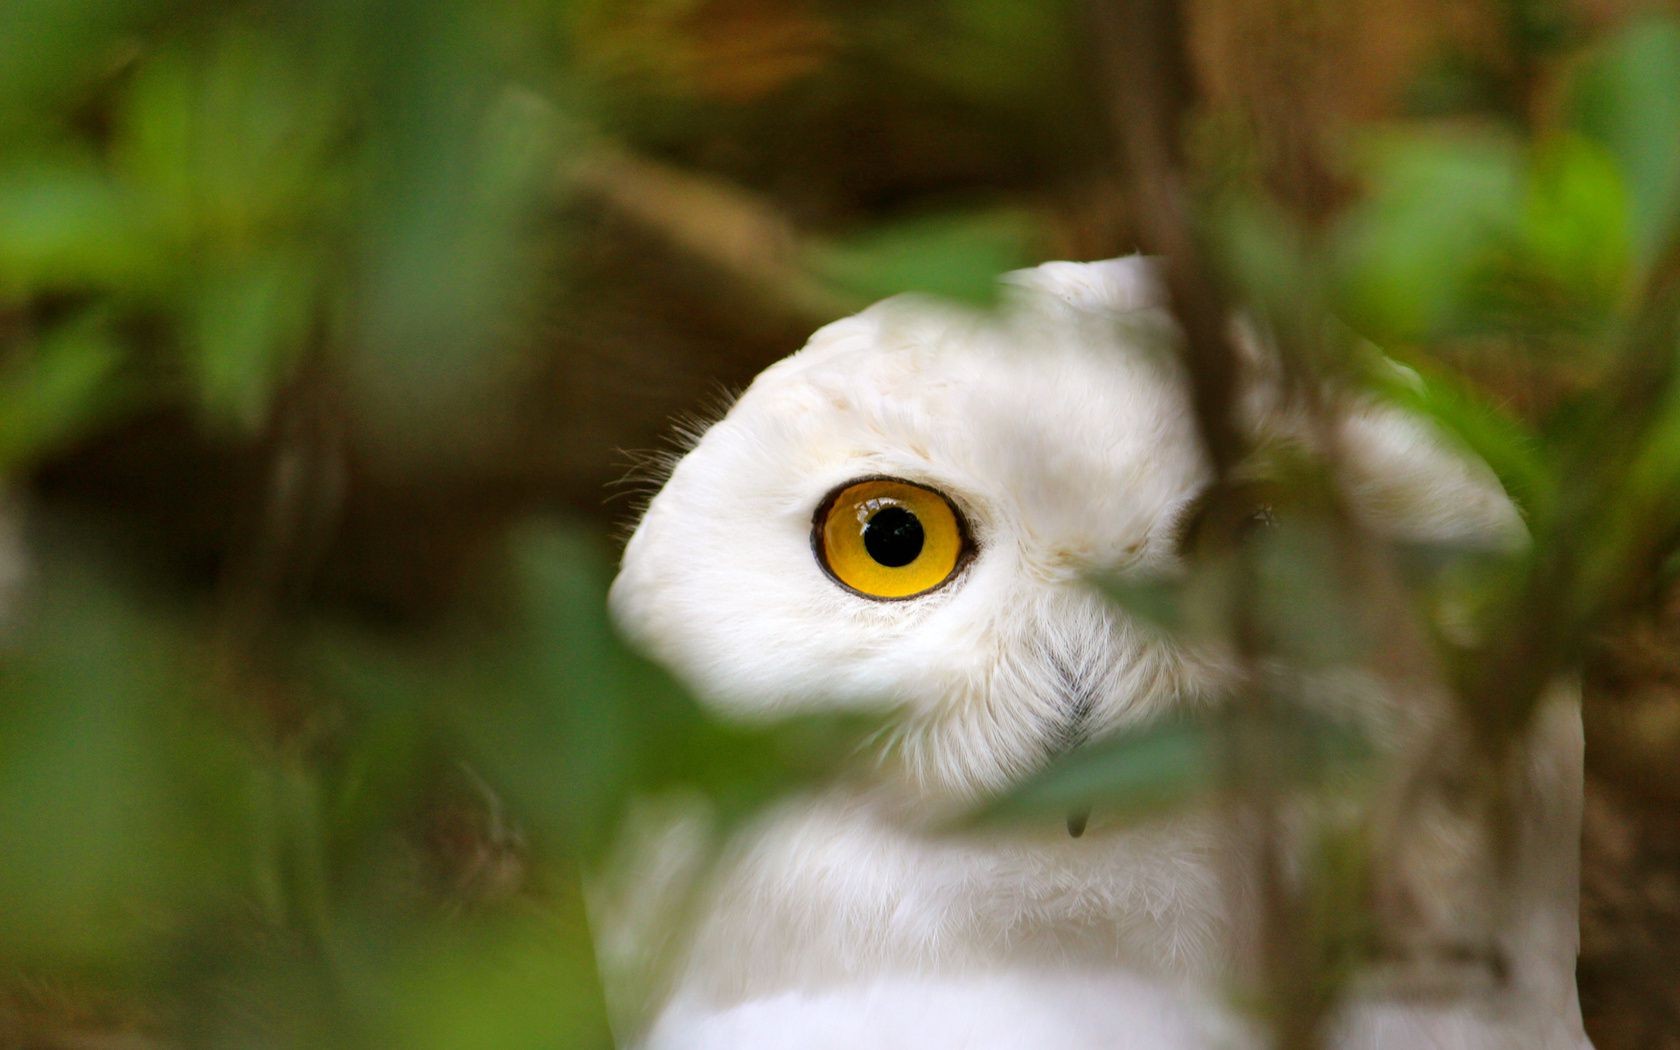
(893, 537)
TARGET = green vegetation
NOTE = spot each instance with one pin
(324, 248)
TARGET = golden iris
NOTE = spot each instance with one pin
(886, 538)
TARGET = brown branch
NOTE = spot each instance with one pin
(730, 230)
(1144, 50)
(1145, 57)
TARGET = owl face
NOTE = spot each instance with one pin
(905, 513)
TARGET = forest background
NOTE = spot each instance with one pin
(329, 334)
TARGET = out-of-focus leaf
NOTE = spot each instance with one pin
(573, 725)
(1297, 598)
(1424, 561)
(1270, 260)
(1303, 607)
(956, 256)
(556, 726)
(1641, 512)
(49, 48)
(236, 996)
(460, 171)
(67, 225)
(55, 390)
(1153, 769)
(115, 807)
(1464, 237)
(392, 696)
(1156, 602)
(249, 326)
(1439, 207)
(291, 869)
(1627, 97)
(1137, 773)
(1508, 446)
(228, 140)
(520, 979)
(1575, 234)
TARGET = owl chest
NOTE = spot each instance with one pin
(829, 890)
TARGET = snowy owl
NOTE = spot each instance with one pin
(907, 511)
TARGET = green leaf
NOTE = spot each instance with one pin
(1627, 98)
(55, 391)
(1303, 609)
(50, 48)
(1149, 770)
(69, 226)
(1510, 448)
(1439, 209)
(1272, 262)
(520, 977)
(1153, 601)
(248, 326)
(956, 256)
(1139, 772)
(229, 140)
(1639, 513)
(117, 806)
(572, 725)
(447, 248)
(1576, 232)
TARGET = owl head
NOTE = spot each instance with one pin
(907, 513)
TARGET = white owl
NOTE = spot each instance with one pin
(906, 511)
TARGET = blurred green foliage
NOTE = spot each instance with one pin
(201, 206)
(209, 208)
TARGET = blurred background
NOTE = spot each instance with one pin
(337, 340)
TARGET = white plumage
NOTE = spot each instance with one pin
(1059, 429)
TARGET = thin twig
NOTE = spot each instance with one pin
(739, 235)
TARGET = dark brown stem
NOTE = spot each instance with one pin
(1146, 58)
(1144, 51)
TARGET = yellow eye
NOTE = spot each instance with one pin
(885, 538)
